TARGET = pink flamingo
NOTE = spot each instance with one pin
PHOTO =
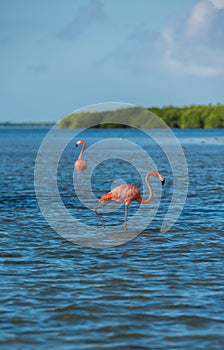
(127, 193)
(80, 164)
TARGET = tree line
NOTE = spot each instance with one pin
(194, 116)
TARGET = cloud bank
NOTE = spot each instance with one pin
(196, 45)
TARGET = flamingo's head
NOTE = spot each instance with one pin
(162, 179)
(80, 142)
(157, 174)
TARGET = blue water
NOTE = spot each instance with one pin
(156, 291)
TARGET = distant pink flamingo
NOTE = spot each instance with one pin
(80, 164)
(127, 193)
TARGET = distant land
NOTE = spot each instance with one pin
(193, 116)
(26, 123)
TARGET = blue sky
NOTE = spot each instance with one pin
(57, 56)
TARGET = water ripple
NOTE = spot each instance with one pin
(158, 291)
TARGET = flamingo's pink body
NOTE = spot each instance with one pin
(127, 193)
(123, 194)
(81, 164)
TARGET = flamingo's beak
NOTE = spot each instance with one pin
(77, 144)
(162, 179)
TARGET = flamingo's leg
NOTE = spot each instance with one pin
(82, 178)
(98, 215)
(125, 217)
(78, 177)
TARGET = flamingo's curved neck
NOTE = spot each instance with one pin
(147, 200)
(82, 150)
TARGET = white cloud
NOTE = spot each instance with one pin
(196, 46)
(198, 22)
(194, 68)
(219, 4)
(190, 46)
